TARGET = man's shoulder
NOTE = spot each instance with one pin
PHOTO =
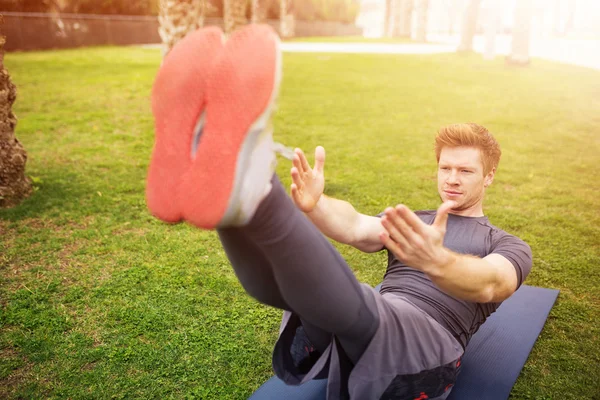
(500, 236)
(497, 231)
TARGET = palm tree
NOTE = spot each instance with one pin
(234, 14)
(260, 9)
(491, 23)
(521, 33)
(469, 26)
(177, 18)
(402, 18)
(422, 14)
(406, 10)
(387, 17)
(14, 185)
(286, 19)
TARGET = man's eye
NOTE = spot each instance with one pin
(466, 171)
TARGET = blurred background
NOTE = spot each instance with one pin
(563, 30)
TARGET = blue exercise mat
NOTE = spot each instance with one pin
(493, 360)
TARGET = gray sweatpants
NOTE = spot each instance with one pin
(368, 345)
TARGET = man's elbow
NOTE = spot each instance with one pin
(485, 295)
(369, 247)
(494, 294)
(365, 244)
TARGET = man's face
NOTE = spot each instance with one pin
(461, 179)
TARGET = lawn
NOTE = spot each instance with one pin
(350, 39)
(99, 300)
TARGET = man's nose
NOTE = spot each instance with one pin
(452, 178)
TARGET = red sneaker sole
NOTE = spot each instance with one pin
(178, 100)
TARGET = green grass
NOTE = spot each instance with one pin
(100, 300)
(349, 39)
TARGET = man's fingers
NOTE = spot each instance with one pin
(410, 218)
(295, 193)
(297, 160)
(319, 159)
(391, 245)
(441, 218)
(393, 232)
(399, 222)
(303, 162)
(296, 179)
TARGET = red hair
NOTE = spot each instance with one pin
(470, 135)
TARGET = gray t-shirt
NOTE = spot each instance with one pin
(464, 235)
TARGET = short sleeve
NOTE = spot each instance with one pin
(517, 252)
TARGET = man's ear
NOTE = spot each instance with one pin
(489, 178)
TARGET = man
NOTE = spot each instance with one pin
(448, 269)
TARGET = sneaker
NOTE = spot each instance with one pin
(235, 157)
(179, 98)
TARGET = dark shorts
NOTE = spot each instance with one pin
(411, 356)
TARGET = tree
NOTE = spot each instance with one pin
(260, 10)
(177, 18)
(491, 23)
(234, 14)
(521, 33)
(402, 26)
(422, 17)
(286, 19)
(14, 185)
(469, 25)
(387, 17)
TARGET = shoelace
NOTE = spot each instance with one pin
(283, 151)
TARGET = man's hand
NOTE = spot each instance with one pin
(307, 183)
(417, 244)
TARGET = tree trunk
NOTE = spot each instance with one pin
(402, 18)
(14, 185)
(260, 9)
(387, 18)
(407, 12)
(255, 17)
(469, 26)
(286, 19)
(234, 14)
(396, 16)
(177, 18)
(521, 33)
(491, 22)
(422, 14)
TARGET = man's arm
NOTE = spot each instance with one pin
(482, 280)
(340, 221)
(336, 219)
(489, 279)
